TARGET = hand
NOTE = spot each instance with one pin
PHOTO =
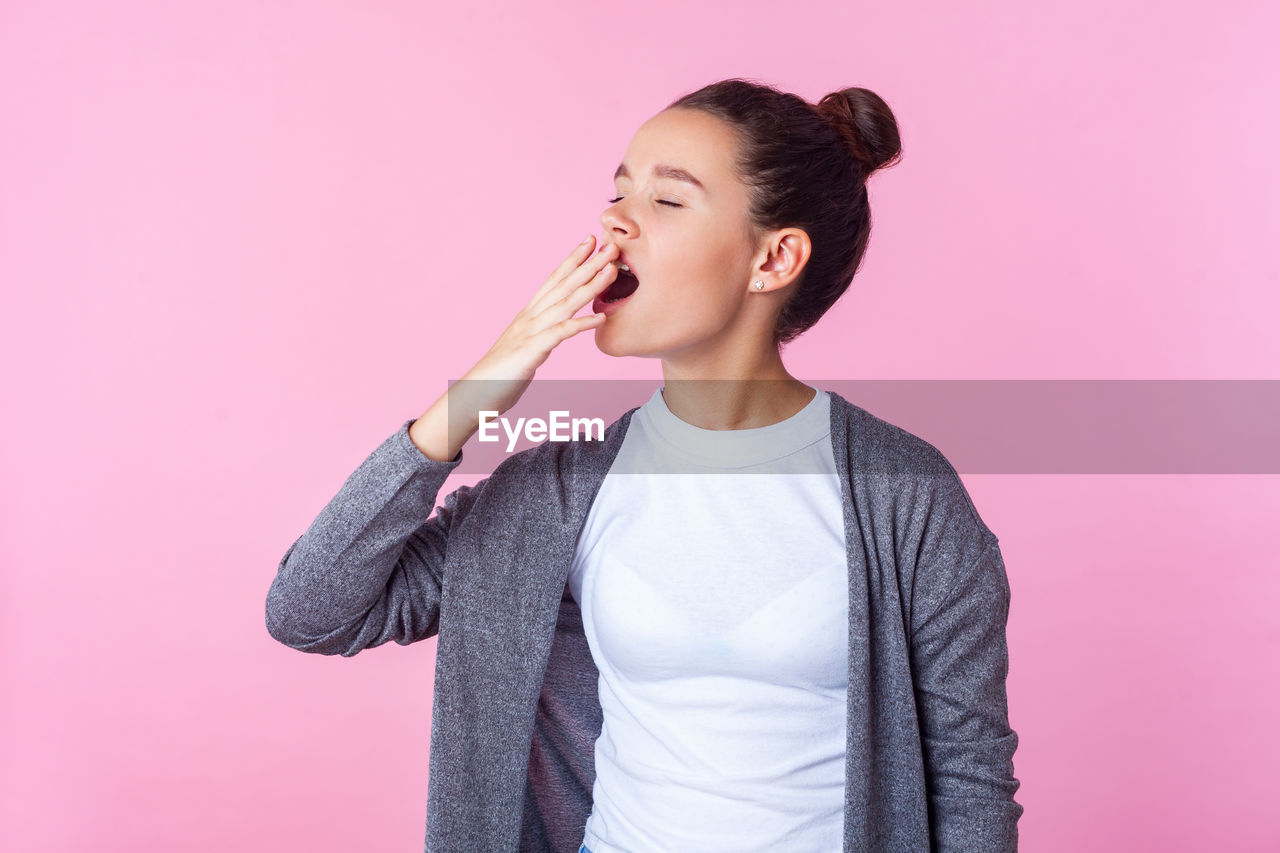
(509, 365)
(541, 326)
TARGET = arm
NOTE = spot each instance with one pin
(369, 568)
(959, 659)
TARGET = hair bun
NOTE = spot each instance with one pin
(867, 126)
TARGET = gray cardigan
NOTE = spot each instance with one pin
(515, 716)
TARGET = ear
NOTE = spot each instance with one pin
(782, 257)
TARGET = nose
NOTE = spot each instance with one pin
(616, 223)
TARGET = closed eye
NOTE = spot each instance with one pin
(660, 201)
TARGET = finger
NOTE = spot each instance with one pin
(553, 312)
(579, 254)
(575, 279)
(556, 289)
(556, 334)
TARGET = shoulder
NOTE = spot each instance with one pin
(883, 446)
(889, 457)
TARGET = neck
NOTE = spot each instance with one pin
(740, 394)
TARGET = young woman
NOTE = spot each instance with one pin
(754, 617)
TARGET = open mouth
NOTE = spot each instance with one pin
(623, 286)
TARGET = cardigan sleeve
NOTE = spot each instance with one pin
(369, 569)
(959, 659)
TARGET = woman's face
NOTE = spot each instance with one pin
(690, 246)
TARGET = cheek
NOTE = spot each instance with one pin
(686, 306)
(696, 281)
(705, 276)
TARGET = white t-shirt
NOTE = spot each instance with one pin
(715, 603)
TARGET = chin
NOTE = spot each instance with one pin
(608, 343)
(611, 343)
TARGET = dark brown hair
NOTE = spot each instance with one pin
(806, 166)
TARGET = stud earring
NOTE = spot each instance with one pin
(759, 285)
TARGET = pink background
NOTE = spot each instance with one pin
(241, 243)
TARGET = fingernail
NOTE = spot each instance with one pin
(586, 241)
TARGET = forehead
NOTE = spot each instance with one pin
(687, 139)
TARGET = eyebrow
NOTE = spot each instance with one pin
(664, 171)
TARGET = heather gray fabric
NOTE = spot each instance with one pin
(929, 757)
